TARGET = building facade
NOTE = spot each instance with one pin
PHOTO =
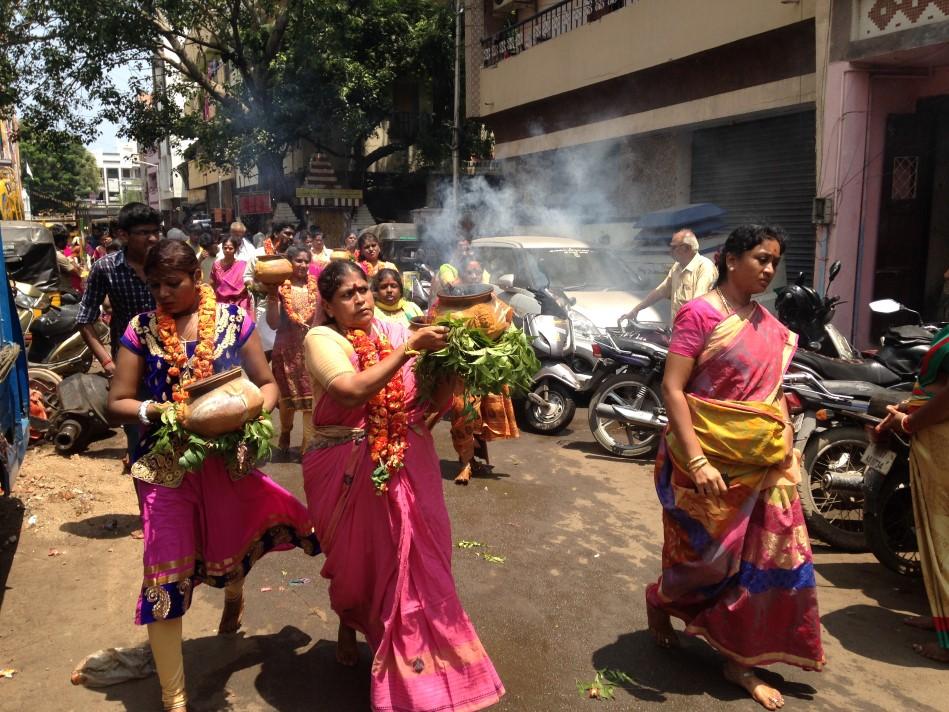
(883, 162)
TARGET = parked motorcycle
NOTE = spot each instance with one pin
(81, 416)
(827, 354)
(626, 413)
(888, 523)
(829, 419)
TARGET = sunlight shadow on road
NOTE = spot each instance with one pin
(11, 521)
(103, 526)
(695, 669)
(595, 452)
(877, 633)
(288, 680)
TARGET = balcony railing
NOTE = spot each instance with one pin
(556, 20)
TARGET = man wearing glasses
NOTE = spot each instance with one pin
(690, 276)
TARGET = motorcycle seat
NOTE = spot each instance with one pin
(908, 334)
(57, 322)
(859, 389)
(838, 369)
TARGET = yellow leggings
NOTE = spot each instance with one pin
(165, 639)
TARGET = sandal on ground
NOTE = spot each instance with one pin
(231, 616)
(663, 634)
(765, 695)
(283, 444)
(480, 468)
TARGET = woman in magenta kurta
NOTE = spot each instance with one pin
(227, 278)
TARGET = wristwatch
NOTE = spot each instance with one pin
(143, 412)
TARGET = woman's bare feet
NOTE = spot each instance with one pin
(933, 651)
(346, 651)
(921, 622)
(745, 677)
(231, 616)
(464, 476)
(663, 634)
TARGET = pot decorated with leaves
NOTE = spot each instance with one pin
(272, 269)
(477, 305)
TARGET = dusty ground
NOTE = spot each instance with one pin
(580, 535)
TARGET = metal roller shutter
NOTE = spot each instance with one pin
(762, 171)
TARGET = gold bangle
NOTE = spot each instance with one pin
(696, 462)
(409, 351)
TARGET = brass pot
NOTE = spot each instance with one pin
(272, 269)
(221, 404)
(477, 305)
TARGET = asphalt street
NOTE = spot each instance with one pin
(580, 537)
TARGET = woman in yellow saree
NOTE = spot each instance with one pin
(926, 417)
(736, 560)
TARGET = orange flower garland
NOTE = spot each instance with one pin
(301, 318)
(202, 362)
(269, 248)
(388, 421)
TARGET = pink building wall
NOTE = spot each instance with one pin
(856, 105)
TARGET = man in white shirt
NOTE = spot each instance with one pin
(690, 276)
(247, 249)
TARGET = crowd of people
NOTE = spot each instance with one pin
(736, 561)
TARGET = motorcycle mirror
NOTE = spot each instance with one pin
(885, 306)
(834, 271)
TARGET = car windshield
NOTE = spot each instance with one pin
(583, 268)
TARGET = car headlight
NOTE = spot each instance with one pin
(583, 327)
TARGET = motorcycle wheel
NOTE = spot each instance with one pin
(834, 515)
(891, 533)
(45, 382)
(552, 418)
(631, 391)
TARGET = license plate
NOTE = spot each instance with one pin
(878, 458)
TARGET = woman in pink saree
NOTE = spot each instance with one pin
(736, 560)
(227, 277)
(382, 522)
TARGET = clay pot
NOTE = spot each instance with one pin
(221, 404)
(476, 304)
(272, 269)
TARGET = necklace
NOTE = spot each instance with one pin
(387, 420)
(303, 316)
(201, 364)
(728, 307)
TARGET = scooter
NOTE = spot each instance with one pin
(51, 333)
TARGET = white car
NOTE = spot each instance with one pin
(601, 287)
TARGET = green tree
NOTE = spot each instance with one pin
(63, 170)
(248, 79)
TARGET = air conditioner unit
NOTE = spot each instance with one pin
(503, 7)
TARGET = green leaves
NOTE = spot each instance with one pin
(605, 681)
(170, 436)
(484, 366)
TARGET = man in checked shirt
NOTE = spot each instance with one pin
(119, 277)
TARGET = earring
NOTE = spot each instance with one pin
(731, 269)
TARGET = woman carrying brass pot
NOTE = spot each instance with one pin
(210, 525)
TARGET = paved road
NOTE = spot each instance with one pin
(581, 538)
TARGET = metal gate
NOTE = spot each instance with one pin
(762, 171)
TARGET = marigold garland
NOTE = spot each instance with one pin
(369, 269)
(387, 421)
(269, 247)
(202, 361)
(301, 318)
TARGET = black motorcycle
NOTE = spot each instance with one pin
(830, 419)
(626, 412)
(888, 522)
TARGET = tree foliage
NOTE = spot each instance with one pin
(248, 79)
(63, 169)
